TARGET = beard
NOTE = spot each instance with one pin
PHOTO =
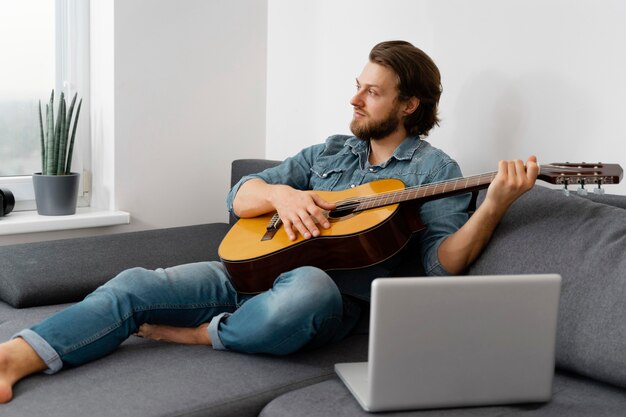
(376, 129)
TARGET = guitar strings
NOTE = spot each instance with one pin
(383, 199)
(392, 197)
(563, 169)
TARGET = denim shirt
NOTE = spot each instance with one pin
(342, 162)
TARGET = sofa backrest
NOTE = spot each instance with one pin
(585, 241)
(63, 271)
(242, 167)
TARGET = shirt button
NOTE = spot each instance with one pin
(352, 186)
(371, 169)
(324, 175)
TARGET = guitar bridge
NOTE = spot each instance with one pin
(272, 228)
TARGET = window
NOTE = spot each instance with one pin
(45, 45)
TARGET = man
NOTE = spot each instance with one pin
(395, 106)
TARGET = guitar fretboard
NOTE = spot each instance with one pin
(437, 189)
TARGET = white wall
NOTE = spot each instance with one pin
(179, 92)
(519, 77)
(189, 98)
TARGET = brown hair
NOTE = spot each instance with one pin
(418, 76)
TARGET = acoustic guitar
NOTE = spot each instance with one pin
(371, 223)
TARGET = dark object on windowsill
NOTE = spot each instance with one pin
(7, 202)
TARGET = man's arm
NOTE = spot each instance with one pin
(460, 249)
(300, 211)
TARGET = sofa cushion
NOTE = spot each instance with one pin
(66, 270)
(573, 396)
(584, 241)
(147, 378)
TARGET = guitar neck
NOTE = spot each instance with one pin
(425, 193)
(555, 173)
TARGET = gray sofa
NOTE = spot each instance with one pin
(583, 239)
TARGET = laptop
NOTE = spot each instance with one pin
(457, 341)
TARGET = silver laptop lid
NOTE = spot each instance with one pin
(457, 341)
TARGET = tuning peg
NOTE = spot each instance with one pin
(582, 191)
(565, 190)
(599, 190)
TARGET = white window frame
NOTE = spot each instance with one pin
(72, 74)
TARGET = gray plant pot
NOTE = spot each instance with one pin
(56, 195)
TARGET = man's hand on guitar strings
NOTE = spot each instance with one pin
(301, 211)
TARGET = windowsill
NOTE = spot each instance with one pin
(30, 222)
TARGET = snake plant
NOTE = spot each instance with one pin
(57, 146)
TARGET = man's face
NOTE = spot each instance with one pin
(377, 111)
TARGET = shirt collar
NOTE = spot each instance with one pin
(404, 151)
(407, 148)
(356, 145)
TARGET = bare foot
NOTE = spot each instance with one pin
(17, 360)
(185, 335)
(6, 383)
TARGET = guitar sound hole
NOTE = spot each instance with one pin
(340, 213)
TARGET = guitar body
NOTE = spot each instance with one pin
(352, 241)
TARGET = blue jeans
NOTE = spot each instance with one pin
(303, 309)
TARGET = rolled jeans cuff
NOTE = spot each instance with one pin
(214, 325)
(43, 349)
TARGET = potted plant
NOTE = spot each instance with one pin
(56, 186)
